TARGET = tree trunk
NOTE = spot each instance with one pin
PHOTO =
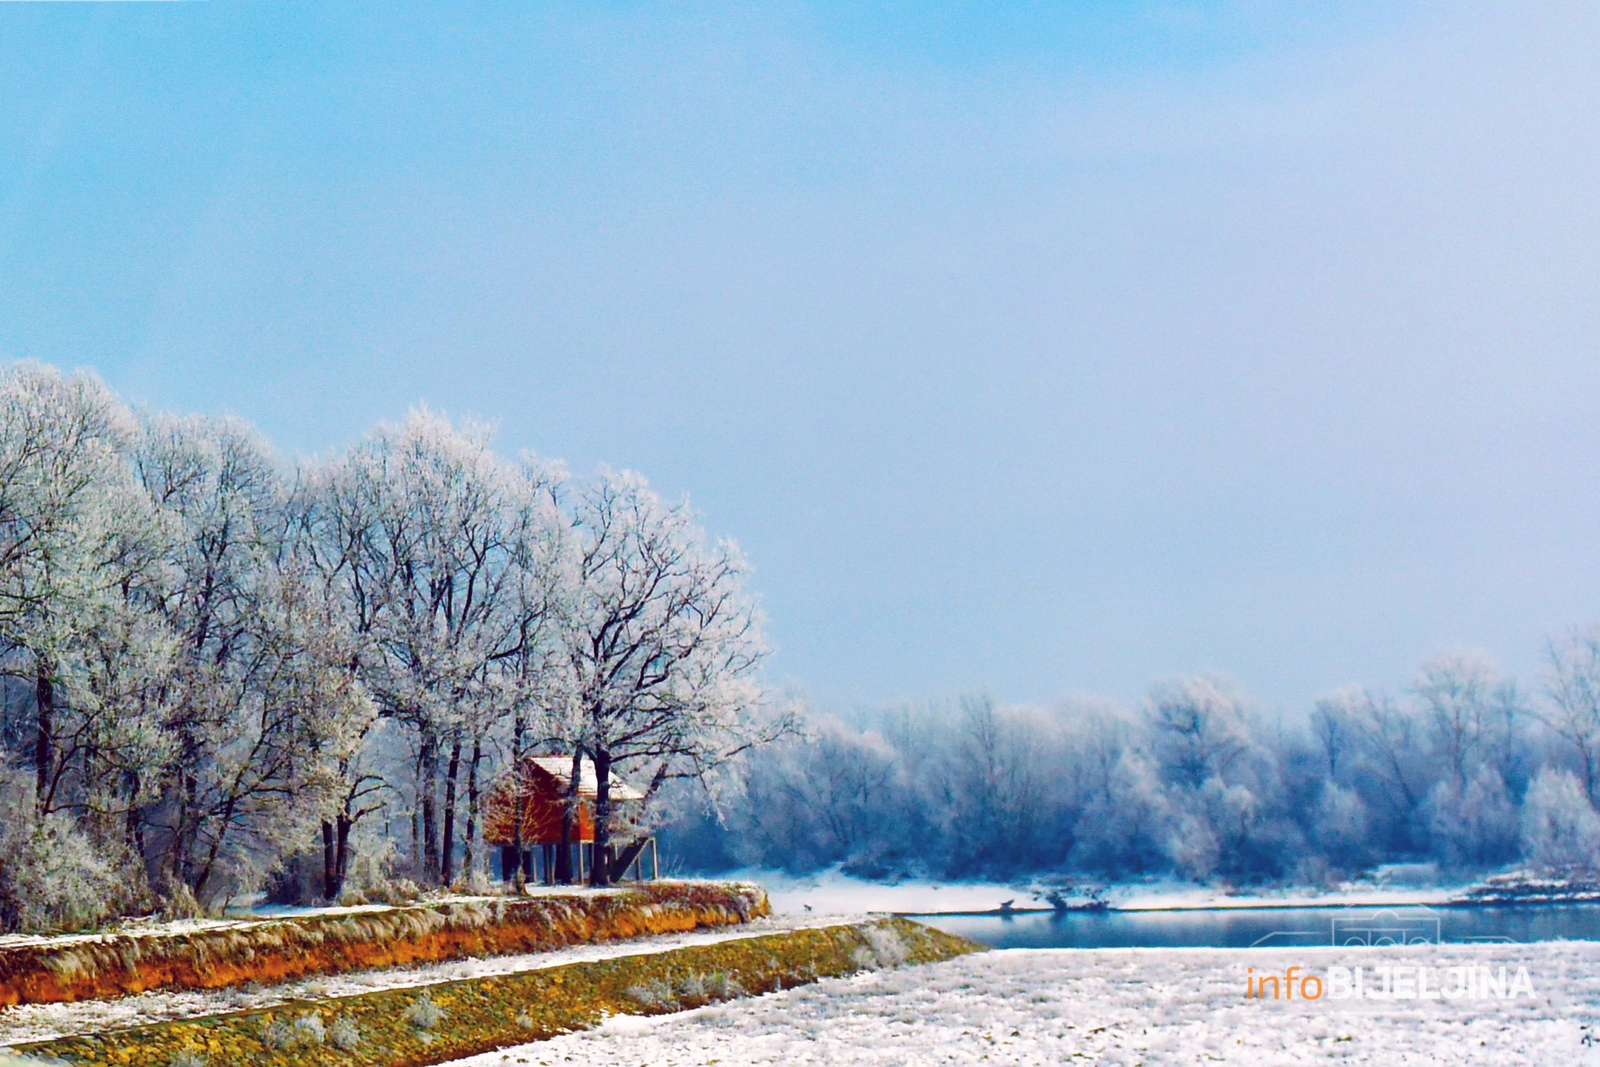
(133, 827)
(519, 726)
(329, 862)
(569, 812)
(416, 837)
(624, 859)
(1589, 768)
(341, 864)
(447, 856)
(224, 820)
(472, 806)
(430, 806)
(185, 824)
(44, 745)
(600, 868)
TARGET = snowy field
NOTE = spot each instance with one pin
(831, 892)
(1117, 1006)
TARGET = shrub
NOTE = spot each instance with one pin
(887, 948)
(692, 988)
(52, 878)
(725, 988)
(393, 891)
(653, 994)
(180, 903)
(344, 1034)
(308, 1030)
(276, 1034)
(305, 1032)
(424, 1014)
(1560, 829)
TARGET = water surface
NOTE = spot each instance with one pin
(1276, 927)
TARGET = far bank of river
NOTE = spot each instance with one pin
(1277, 927)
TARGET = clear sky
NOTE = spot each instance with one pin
(1028, 347)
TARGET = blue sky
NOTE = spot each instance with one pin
(1035, 348)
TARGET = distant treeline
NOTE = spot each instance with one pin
(1463, 769)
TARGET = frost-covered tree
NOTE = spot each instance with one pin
(1574, 712)
(53, 877)
(827, 796)
(1333, 725)
(81, 557)
(1340, 827)
(1391, 770)
(67, 517)
(424, 537)
(661, 643)
(1471, 713)
(1129, 825)
(1197, 730)
(1560, 829)
(259, 706)
(1473, 825)
(528, 699)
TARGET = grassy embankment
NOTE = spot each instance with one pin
(432, 1024)
(278, 950)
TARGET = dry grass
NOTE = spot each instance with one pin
(284, 949)
(417, 1027)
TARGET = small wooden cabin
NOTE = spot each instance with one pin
(537, 795)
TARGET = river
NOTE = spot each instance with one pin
(1276, 927)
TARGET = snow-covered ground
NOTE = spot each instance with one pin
(831, 892)
(1117, 1006)
(40, 1022)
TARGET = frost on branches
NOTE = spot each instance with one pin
(222, 672)
(661, 644)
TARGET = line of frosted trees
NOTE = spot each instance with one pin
(220, 669)
(1462, 770)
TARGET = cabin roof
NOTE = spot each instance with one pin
(560, 768)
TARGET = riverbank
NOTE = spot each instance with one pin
(832, 892)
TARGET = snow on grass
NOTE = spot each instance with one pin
(505, 892)
(1114, 1006)
(832, 892)
(41, 1022)
(234, 917)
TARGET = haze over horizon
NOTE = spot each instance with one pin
(1028, 351)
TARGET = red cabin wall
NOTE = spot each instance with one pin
(541, 812)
